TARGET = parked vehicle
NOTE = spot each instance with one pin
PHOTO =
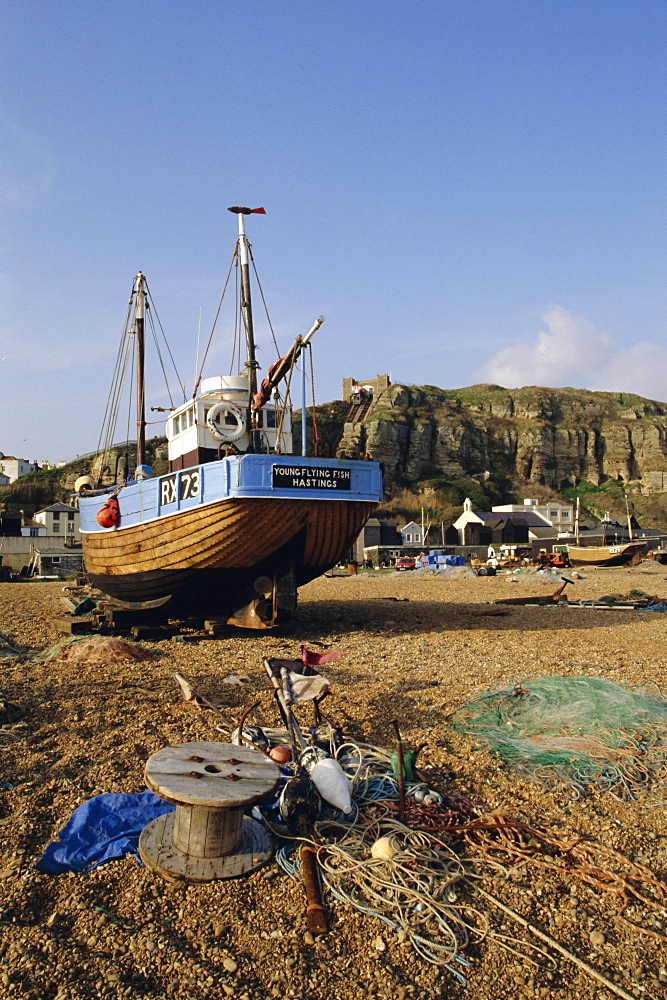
(405, 563)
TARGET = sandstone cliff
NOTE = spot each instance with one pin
(553, 437)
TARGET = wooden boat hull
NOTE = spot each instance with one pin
(216, 558)
(604, 555)
(215, 555)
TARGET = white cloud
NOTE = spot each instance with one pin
(571, 351)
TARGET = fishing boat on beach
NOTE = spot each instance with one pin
(239, 522)
(604, 555)
(601, 553)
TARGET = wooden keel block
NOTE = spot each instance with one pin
(73, 626)
(207, 837)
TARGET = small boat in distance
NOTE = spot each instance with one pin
(239, 523)
(604, 555)
(616, 554)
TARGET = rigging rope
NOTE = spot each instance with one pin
(110, 410)
(316, 436)
(125, 355)
(236, 346)
(116, 401)
(261, 292)
(153, 311)
(283, 411)
(215, 320)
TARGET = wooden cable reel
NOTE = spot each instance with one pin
(208, 836)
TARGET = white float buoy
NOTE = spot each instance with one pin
(384, 847)
(332, 783)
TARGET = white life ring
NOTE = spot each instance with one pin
(225, 432)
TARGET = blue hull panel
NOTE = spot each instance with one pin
(261, 476)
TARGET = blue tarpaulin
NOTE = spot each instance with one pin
(103, 828)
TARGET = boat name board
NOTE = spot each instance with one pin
(189, 486)
(305, 477)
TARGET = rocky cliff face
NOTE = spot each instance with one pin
(554, 437)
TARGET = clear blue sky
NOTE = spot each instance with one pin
(467, 191)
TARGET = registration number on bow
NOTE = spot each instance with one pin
(189, 487)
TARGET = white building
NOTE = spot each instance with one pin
(412, 534)
(60, 519)
(15, 467)
(538, 527)
(33, 529)
(559, 515)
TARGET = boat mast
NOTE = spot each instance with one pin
(246, 306)
(627, 511)
(576, 523)
(139, 316)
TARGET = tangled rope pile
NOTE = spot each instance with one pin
(427, 891)
(586, 731)
(499, 838)
(420, 892)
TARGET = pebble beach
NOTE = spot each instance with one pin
(415, 648)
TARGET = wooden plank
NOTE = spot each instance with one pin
(73, 626)
(213, 775)
(332, 526)
(214, 626)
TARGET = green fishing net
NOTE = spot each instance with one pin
(590, 732)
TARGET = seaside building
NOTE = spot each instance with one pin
(559, 515)
(60, 519)
(15, 467)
